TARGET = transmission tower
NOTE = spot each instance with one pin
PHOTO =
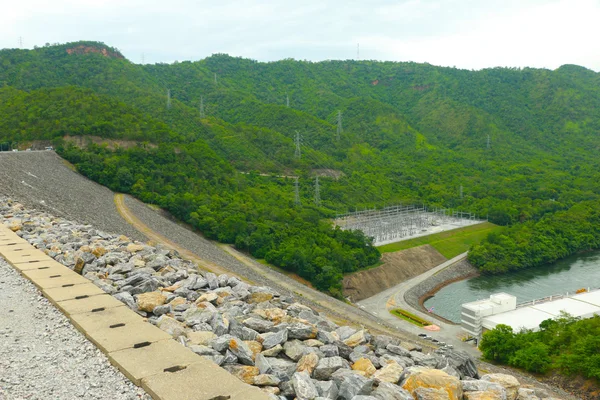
(20, 42)
(202, 115)
(296, 192)
(488, 141)
(215, 78)
(168, 98)
(461, 191)
(339, 125)
(297, 141)
(287, 100)
(317, 192)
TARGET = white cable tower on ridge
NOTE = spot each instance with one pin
(339, 125)
(298, 141)
(202, 114)
(317, 192)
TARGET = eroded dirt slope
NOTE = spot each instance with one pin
(398, 267)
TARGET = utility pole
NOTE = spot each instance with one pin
(297, 141)
(168, 98)
(287, 100)
(488, 141)
(317, 192)
(202, 115)
(339, 125)
(296, 192)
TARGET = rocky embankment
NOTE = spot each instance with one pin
(262, 337)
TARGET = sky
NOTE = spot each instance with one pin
(469, 34)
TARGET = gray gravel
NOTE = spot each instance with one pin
(42, 356)
(42, 180)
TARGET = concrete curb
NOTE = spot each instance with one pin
(141, 351)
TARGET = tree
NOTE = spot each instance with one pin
(498, 344)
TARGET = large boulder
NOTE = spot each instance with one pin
(423, 393)
(304, 387)
(491, 395)
(463, 363)
(148, 301)
(508, 382)
(421, 377)
(328, 366)
(389, 391)
(390, 373)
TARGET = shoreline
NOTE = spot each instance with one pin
(417, 295)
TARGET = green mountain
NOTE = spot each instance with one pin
(411, 133)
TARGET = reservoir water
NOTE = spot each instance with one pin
(567, 275)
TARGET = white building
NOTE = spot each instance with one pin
(501, 308)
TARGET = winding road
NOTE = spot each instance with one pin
(257, 273)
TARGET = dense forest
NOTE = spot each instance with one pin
(566, 344)
(216, 146)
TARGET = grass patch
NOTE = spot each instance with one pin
(377, 264)
(412, 318)
(448, 243)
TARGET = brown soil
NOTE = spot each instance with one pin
(398, 266)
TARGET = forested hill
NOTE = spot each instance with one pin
(411, 133)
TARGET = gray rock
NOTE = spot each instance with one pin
(344, 332)
(327, 389)
(294, 349)
(398, 350)
(241, 350)
(219, 324)
(126, 298)
(389, 391)
(329, 350)
(203, 350)
(327, 366)
(355, 385)
(304, 387)
(194, 316)
(221, 343)
(343, 349)
(230, 358)
(212, 280)
(274, 338)
(281, 368)
(161, 310)
(257, 324)
(463, 363)
(157, 263)
(262, 363)
(325, 337)
(481, 386)
(302, 331)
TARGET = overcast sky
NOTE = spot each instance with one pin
(470, 34)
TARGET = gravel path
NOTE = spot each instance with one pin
(42, 356)
(42, 180)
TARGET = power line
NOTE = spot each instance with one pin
(202, 114)
(317, 192)
(297, 141)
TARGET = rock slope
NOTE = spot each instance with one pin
(263, 337)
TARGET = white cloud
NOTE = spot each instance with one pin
(467, 33)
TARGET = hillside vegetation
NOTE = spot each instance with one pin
(412, 133)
